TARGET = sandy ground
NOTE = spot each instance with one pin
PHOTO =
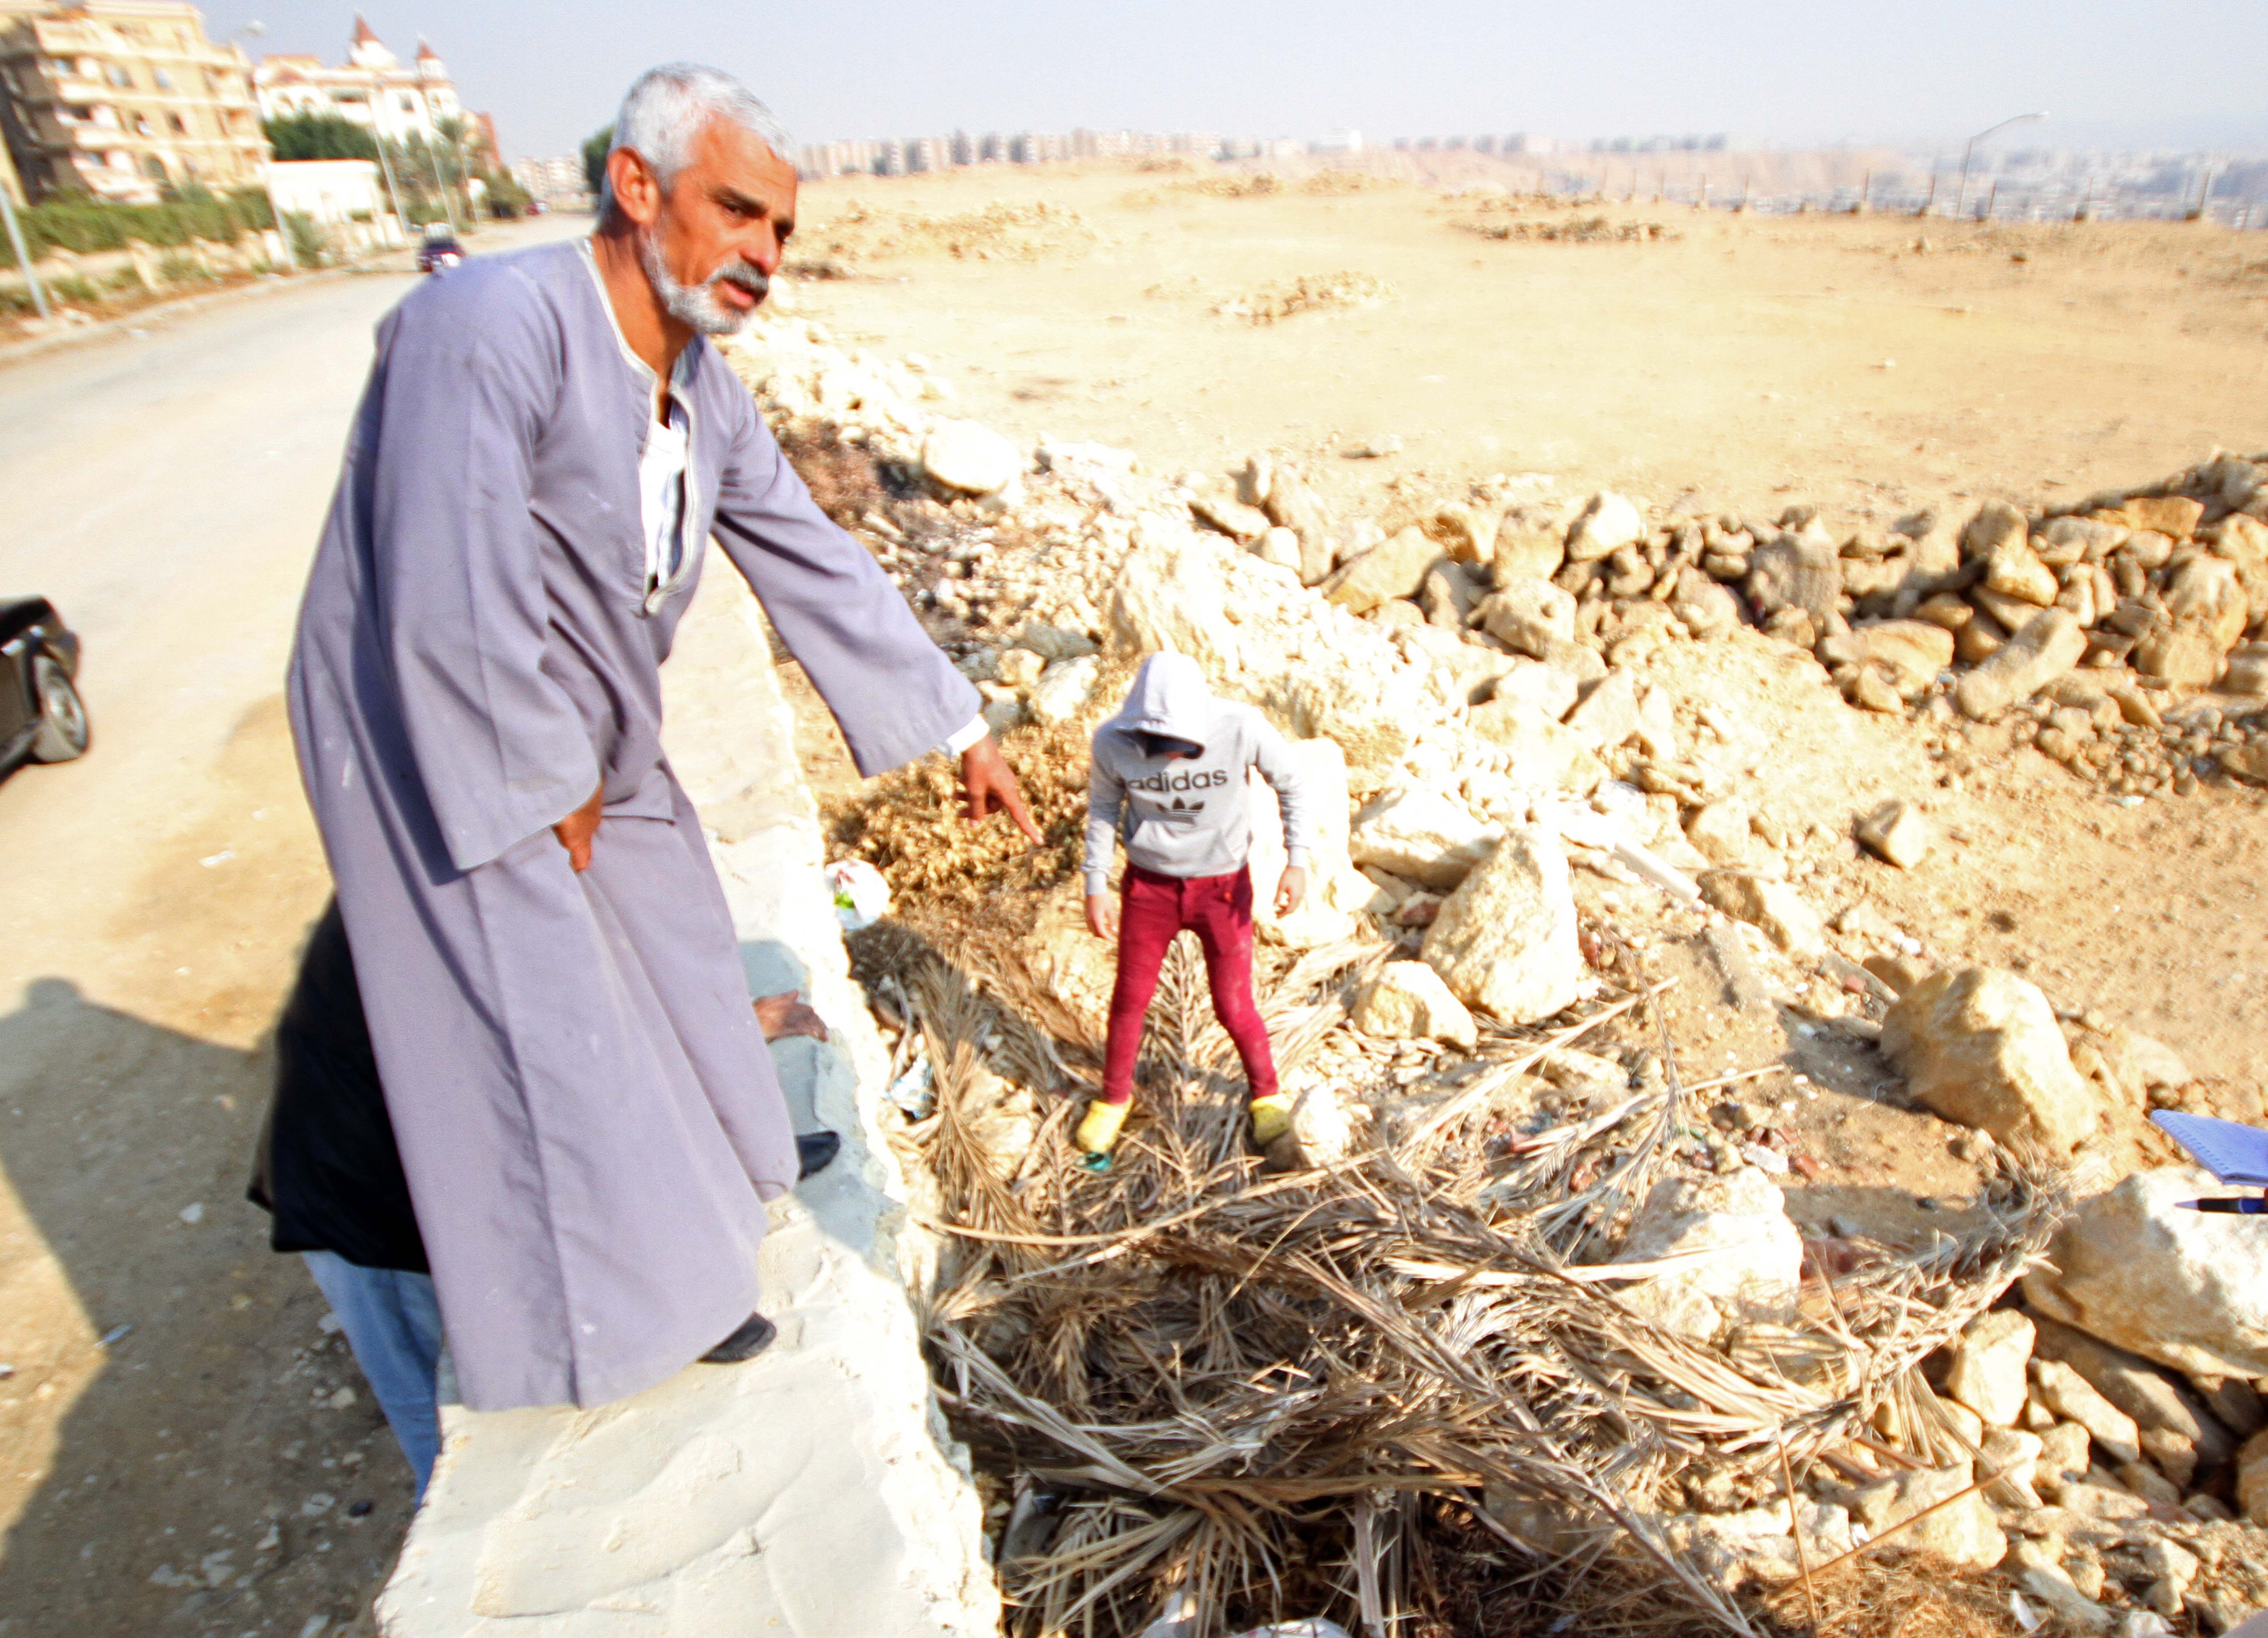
(1750, 359)
(165, 490)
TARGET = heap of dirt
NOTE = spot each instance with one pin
(1575, 230)
(1758, 878)
(998, 232)
(1310, 292)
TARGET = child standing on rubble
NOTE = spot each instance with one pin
(1168, 778)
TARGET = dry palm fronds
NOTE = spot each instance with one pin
(1299, 1392)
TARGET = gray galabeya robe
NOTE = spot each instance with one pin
(587, 1114)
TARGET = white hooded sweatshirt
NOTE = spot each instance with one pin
(1186, 816)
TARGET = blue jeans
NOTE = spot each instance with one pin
(393, 1326)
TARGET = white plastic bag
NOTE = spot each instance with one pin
(861, 897)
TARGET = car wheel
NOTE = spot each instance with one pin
(62, 714)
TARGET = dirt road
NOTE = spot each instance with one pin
(200, 1471)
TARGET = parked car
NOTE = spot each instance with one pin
(441, 252)
(41, 717)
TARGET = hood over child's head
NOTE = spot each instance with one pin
(1169, 711)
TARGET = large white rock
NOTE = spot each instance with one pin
(2074, 1399)
(1171, 593)
(1394, 568)
(1962, 1532)
(1063, 690)
(1608, 713)
(1546, 756)
(1409, 1000)
(1784, 915)
(1543, 689)
(970, 458)
(1608, 524)
(1527, 616)
(1504, 940)
(1987, 1373)
(2049, 643)
(1909, 653)
(1757, 1544)
(1733, 1255)
(1422, 835)
(1467, 671)
(2252, 1478)
(1344, 686)
(1337, 892)
(2181, 1288)
(1981, 1047)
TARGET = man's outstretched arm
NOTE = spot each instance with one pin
(892, 691)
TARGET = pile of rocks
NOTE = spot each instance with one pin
(2094, 628)
(1479, 691)
(2101, 623)
(2117, 1405)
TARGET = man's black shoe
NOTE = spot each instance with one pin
(815, 1151)
(749, 1341)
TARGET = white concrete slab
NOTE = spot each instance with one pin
(814, 1490)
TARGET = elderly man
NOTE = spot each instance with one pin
(587, 1118)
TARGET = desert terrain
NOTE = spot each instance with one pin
(1869, 365)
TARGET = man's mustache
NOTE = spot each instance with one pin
(746, 275)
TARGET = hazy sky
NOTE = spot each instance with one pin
(2111, 72)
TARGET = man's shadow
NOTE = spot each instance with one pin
(185, 1482)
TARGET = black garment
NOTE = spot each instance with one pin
(328, 1169)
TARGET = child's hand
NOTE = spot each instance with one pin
(1101, 915)
(1291, 889)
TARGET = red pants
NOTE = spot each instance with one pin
(1152, 910)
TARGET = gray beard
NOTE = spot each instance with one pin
(696, 305)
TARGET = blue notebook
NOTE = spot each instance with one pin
(2230, 1151)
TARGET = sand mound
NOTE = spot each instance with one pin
(999, 231)
(1310, 292)
(1576, 230)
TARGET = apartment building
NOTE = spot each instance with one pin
(123, 99)
(373, 87)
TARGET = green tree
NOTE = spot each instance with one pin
(505, 198)
(594, 159)
(319, 136)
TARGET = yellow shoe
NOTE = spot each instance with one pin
(1271, 1117)
(1099, 1129)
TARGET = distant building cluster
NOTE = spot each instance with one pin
(910, 156)
(1518, 143)
(557, 180)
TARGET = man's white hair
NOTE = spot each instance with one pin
(665, 108)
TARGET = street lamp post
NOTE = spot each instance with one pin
(23, 255)
(1961, 200)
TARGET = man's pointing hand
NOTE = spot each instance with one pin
(987, 784)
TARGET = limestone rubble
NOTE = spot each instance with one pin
(1483, 669)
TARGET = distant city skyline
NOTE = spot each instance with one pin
(1917, 75)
